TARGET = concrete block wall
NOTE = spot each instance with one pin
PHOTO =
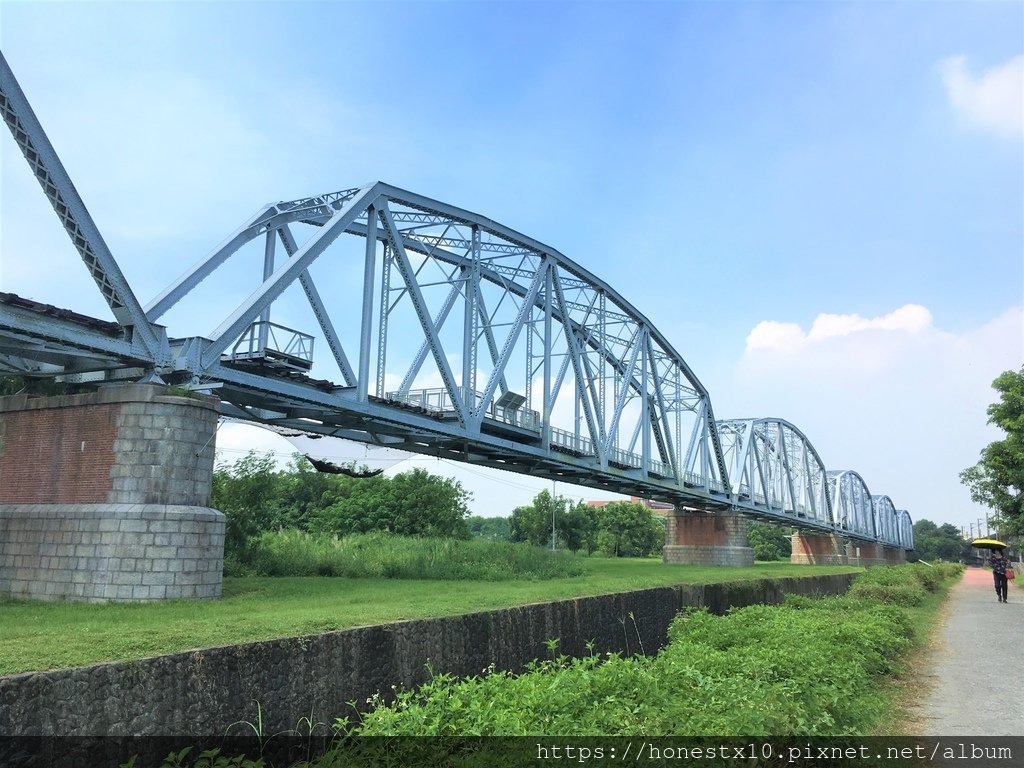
(700, 538)
(104, 496)
(101, 552)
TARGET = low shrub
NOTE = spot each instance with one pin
(804, 668)
(384, 555)
(897, 585)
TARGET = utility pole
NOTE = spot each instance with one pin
(554, 499)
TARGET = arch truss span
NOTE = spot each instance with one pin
(851, 502)
(460, 329)
(774, 468)
(904, 529)
(887, 522)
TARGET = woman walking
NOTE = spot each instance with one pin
(999, 565)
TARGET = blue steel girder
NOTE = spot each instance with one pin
(851, 502)
(904, 529)
(772, 465)
(58, 188)
(623, 371)
(886, 520)
(622, 423)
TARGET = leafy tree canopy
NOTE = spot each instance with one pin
(934, 542)
(997, 480)
(255, 496)
(769, 541)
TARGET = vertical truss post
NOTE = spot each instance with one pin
(385, 313)
(645, 407)
(470, 320)
(268, 270)
(548, 397)
(366, 325)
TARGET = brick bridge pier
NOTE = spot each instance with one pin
(105, 496)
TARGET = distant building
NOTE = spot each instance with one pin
(657, 507)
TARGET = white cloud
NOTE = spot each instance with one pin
(846, 341)
(993, 101)
(893, 397)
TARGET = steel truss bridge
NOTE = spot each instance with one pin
(437, 331)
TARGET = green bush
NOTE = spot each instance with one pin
(384, 555)
(804, 668)
(890, 584)
(929, 578)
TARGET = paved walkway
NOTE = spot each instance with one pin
(978, 683)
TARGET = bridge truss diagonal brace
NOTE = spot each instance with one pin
(420, 307)
(525, 309)
(75, 217)
(285, 275)
(575, 357)
(319, 310)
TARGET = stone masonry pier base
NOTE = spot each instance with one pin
(817, 549)
(105, 496)
(702, 538)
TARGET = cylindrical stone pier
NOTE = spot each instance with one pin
(705, 538)
(104, 496)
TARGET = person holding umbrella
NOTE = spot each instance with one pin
(998, 562)
(999, 565)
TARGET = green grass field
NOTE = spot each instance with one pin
(38, 636)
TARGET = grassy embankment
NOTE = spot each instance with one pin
(38, 636)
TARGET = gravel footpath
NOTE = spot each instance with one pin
(977, 687)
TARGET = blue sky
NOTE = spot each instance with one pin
(821, 205)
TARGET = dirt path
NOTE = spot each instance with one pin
(975, 668)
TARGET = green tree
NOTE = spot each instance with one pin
(932, 542)
(409, 504)
(248, 492)
(769, 542)
(997, 480)
(534, 522)
(629, 529)
(579, 528)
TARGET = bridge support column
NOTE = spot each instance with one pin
(703, 538)
(817, 549)
(894, 555)
(105, 496)
(865, 554)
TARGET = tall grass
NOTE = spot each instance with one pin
(384, 555)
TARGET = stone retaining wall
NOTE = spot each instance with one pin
(202, 693)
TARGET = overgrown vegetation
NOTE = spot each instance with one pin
(273, 513)
(256, 497)
(616, 529)
(806, 668)
(810, 667)
(770, 542)
(384, 555)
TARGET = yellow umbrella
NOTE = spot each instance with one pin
(988, 544)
